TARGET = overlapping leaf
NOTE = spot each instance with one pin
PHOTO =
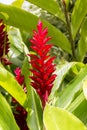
(60, 119)
(8, 82)
(71, 88)
(27, 21)
(7, 121)
(52, 7)
(35, 114)
(79, 12)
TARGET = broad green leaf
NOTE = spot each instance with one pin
(85, 88)
(17, 3)
(60, 72)
(17, 48)
(79, 108)
(8, 82)
(78, 14)
(7, 121)
(81, 111)
(52, 7)
(66, 73)
(76, 102)
(35, 117)
(27, 21)
(71, 88)
(60, 119)
(82, 44)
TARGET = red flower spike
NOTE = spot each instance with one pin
(19, 112)
(19, 77)
(4, 44)
(42, 63)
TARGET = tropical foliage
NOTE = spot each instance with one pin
(43, 71)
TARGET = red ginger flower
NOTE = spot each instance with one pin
(42, 63)
(19, 77)
(4, 44)
(20, 113)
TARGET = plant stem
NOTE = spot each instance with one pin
(69, 29)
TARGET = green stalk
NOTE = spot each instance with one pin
(69, 29)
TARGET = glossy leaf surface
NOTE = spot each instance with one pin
(60, 119)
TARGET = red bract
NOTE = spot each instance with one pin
(20, 113)
(42, 63)
(19, 77)
(4, 44)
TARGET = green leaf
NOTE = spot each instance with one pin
(17, 48)
(79, 108)
(64, 75)
(7, 121)
(60, 119)
(67, 2)
(52, 7)
(17, 3)
(61, 73)
(82, 44)
(85, 88)
(35, 114)
(71, 88)
(8, 82)
(78, 14)
(27, 21)
(81, 111)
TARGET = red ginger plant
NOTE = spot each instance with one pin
(20, 113)
(4, 44)
(42, 63)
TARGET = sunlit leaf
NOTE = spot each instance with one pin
(85, 88)
(78, 14)
(52, 7)
(71, 88)
(7, 121)
(27, 21)
(79, 108)
(8, 82)
(60, 119)
(17, 3)
(82, 44)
